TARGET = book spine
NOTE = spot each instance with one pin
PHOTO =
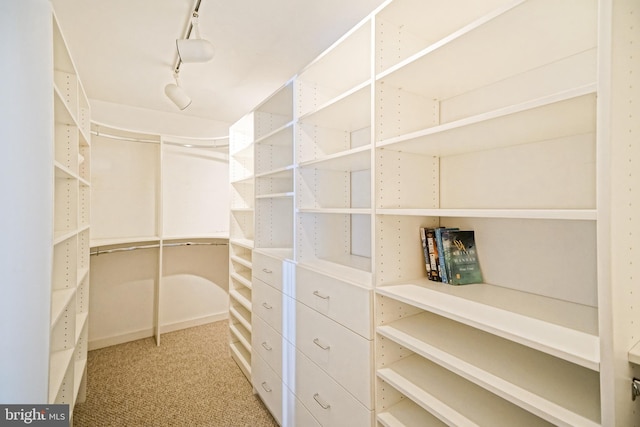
(433, 255)
(441, 255)
(425, 249)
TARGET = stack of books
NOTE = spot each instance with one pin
(450, 255)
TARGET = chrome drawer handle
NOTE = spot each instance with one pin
(266, 270)
(316, 341)
(319, 295)
(324, 405)
(267, 346)
(266, 387)
(267, 306)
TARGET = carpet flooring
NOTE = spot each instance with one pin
(189, 380)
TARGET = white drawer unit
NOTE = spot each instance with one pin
(343, 354)
(267, 343)
(344, 302)
(268, 385)
(330, 403)
(268, 269)
(267, 303)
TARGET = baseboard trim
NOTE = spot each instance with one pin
(146, 333)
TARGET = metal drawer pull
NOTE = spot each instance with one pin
(316, 341)
(324, 405)
(266, 387)
(266, 270)
(319, 295)
(267, 346)
(267, 306)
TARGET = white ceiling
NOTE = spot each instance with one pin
(125, 53)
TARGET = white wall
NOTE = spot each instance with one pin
(26, 189)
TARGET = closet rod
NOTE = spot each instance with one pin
(98, 251)
(155, 141)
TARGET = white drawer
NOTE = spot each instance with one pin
(266, 302)
(267, 343)
(340, 352)
(300, 416)
(346, 303)
(327, 400)
(268, 269)
(268, 385)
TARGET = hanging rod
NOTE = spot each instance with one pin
(155, 141)
(98, 251)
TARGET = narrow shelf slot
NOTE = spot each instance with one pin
(557, 390)
(243, 336)
(242, 296)
(60, 299)
(243, 277)
(59, 362)
(451, 398)
(408, 414)
(561, 329)
(242, 315)
(562, 214)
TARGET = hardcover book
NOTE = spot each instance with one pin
(425, 249)
(442, 233)
(433, 256)
(463, 258)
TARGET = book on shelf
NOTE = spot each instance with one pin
(434, 259)
(441, 233)
(450, 255)
(425, 250)
(463, 258)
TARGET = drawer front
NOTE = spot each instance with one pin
(328, 401)
(266, 302)
(300, 416)
(268, 385)
(346, 303)
(267, 269)
(340, 352)
(267, 343)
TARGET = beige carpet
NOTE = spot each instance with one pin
(189, 380)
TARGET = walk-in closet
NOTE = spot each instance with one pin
(294, 213)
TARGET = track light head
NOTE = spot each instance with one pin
(176, 94)
(196, 49)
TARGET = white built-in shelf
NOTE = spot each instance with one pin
(451, 398)
(634, 354)
(245, 243)
(112, 241)
(549, 390)
(408, 414)
(81, 321)
(241, 261)
(506, 126)
(242, 209)
(283, 172)
(562, 329)
(346, 211)
(63, 235)
(242, 296)
(222, 235)
(242, 356)
(242, 315)
(349, 111)
(243, 180)
(242, 335)
(82, 273)
(279, 253)
(556, 214)
(60, 299)
(243, 277)
(78, 369)
(62, 113)
(286, 195)
(274, 137)
(430, 71)
(63, 172)
(59, 362)
(352, 160)
(351, 268)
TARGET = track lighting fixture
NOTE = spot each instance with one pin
(176, 94)
(196, 49)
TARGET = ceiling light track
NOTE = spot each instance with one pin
(188, 50)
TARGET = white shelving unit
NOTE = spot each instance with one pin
(159, 236)
(71, 198)
(241, 240)
(513, 118)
